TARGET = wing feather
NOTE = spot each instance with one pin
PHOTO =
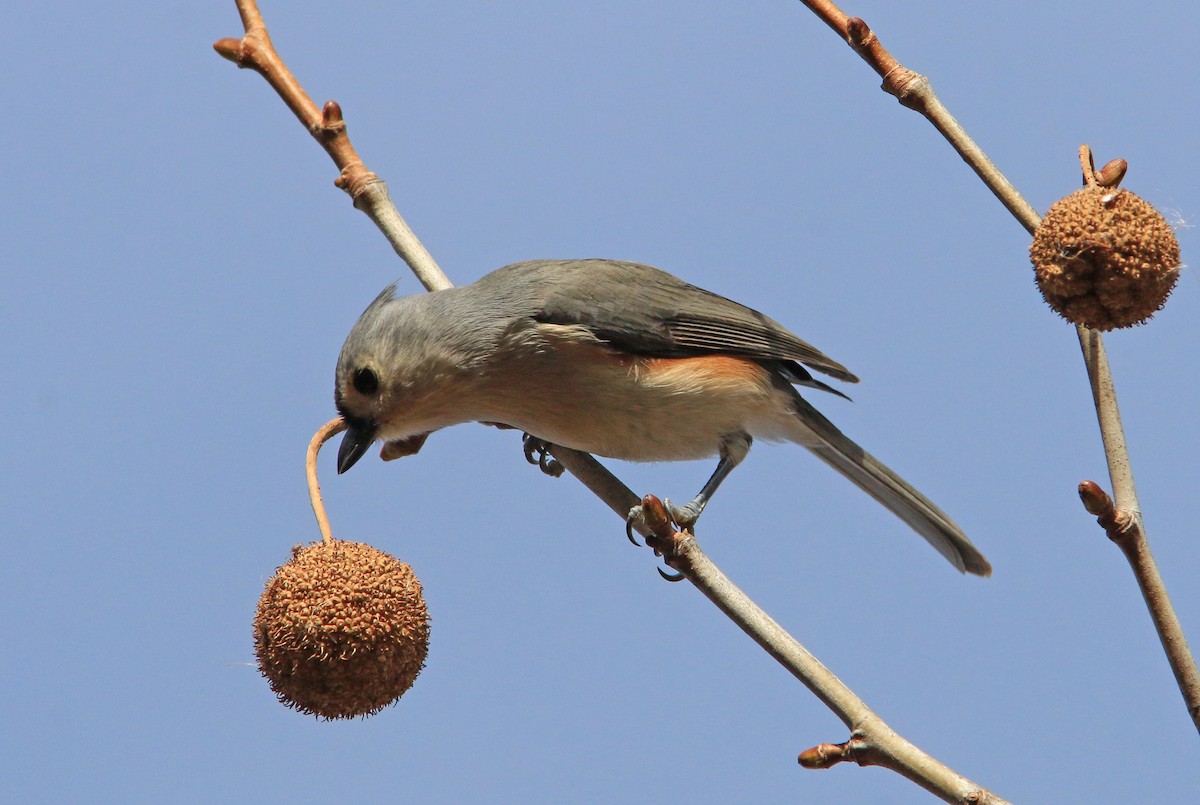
(650, 312)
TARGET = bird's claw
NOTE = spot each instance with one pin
(671, 577)
(685, 517)
(537, 451)
(634, 518)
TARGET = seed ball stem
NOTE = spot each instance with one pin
(324, 433)
(1109, 176)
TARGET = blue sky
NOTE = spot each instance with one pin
(180, 274)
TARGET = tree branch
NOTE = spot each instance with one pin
(915, 91)
(367, 191)
(872, 741)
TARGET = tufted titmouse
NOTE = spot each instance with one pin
(612, 358)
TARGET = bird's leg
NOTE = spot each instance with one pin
(537, 451)
(734, 448)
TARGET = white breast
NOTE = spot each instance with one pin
(576, 392)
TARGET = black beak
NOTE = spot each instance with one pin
(360, 434)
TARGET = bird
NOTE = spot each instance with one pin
(610, 357)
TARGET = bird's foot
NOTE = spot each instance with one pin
(537, 451)
(684, 516)
(653, 517)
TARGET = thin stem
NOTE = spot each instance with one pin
(829, 13)
(872, 742)
(976, 159)
(1170, 632)
(324, 433)
(687, 557)
(1108, 415)
(1087, 166)
(327, 126)
(1131, 536)
(598, 479)
(915, 91)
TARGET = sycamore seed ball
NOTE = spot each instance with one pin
(341, 630)
(1105, 258)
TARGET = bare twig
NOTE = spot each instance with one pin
(1124, 528)
(914, 91)
(326, 125)
(873, 742)
(606, 486)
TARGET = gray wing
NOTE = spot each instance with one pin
(647, 311)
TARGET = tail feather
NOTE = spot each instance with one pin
(836, 449)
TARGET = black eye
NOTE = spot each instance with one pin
(366, 382)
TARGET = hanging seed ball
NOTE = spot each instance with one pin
(341, 630)
(1105, 258)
